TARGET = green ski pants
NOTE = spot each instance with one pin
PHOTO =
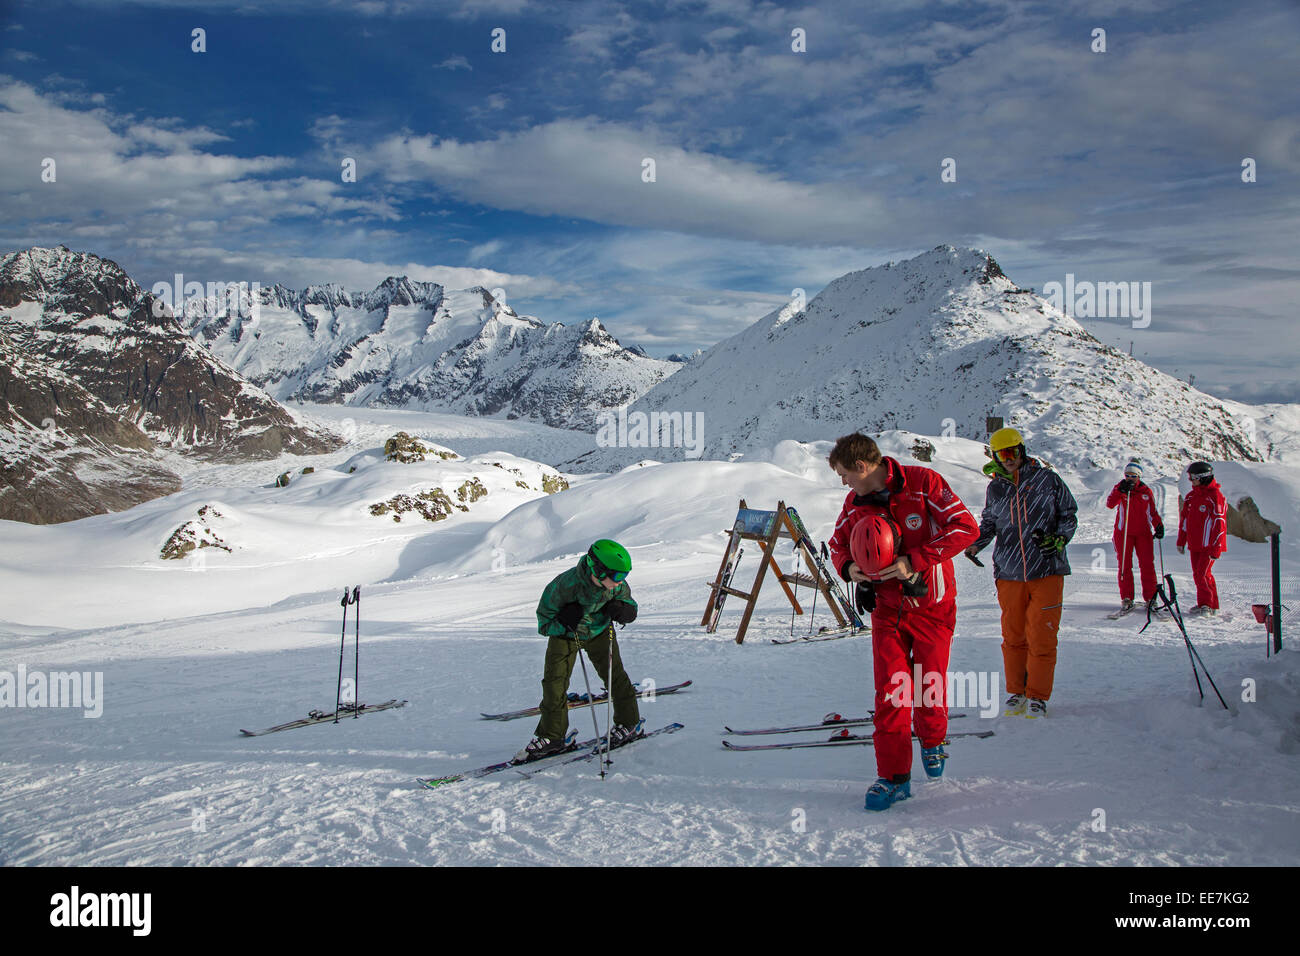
(561, 658)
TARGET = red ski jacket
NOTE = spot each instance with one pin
(1204, 522)
(936, 527)
(1145, 516)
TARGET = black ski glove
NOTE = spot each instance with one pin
(864, 597)
(570, 615)
(915, 586)
(1048, 542)
(1126, 486)
(621, 611)
(1160, 531)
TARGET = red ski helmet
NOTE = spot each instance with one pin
(873, 544)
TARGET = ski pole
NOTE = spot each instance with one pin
(594, 725)
(609, 697)
(1191, 648)
(1124, 556)
(1170, 602)
(812, 618)
(338, 692)
(356, 666)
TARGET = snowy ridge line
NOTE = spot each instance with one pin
(951, 338)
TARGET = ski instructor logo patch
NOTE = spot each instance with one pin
(914, 521)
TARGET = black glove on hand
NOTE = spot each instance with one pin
(621, 611)
(1126, 486)
(915, 586)
(1049, 543)
(1160, 531)
(570, 615)
(864, 598)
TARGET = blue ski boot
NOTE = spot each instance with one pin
(884, 793)
(932, 758)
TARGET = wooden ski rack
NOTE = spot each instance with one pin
(766, 528)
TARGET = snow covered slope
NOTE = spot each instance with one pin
(934, 345)
(447, 622)
(415, 345)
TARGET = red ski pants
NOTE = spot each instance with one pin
(1031, 614)
(1207, 592)
(1146, 563)
(901, 641)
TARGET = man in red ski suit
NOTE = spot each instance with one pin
(1203, 527)
(1137, 524)
(907, 631)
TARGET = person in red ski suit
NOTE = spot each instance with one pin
(1203, 527)
(1137, 524)
(907, 630)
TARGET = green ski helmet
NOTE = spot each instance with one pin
(608, 559)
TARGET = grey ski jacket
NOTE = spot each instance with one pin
(1040, 501)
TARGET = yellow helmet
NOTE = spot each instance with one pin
(1004, 438)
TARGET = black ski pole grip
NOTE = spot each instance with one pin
(974, 560)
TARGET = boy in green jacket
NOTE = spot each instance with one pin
(578, 609)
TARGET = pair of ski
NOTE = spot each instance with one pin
(321, 717)
(1125, 611)
(824, 634)
(840, 738)
(577, 701)
(592, 748)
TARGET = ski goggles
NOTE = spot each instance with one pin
(603, 572)
(1008, 454)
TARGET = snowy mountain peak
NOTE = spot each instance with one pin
(417, 345)
(96, 359)
(935, 345)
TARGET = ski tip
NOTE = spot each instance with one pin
(246, 733)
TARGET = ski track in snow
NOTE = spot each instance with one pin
(162, 778)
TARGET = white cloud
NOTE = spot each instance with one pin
(135, 167)
(594, 170)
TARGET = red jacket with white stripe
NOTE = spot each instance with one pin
(1145, 516)
(936, 527)
(1204, 523)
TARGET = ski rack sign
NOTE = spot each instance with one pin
(767, 528)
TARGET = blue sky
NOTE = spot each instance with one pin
(775, 169)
